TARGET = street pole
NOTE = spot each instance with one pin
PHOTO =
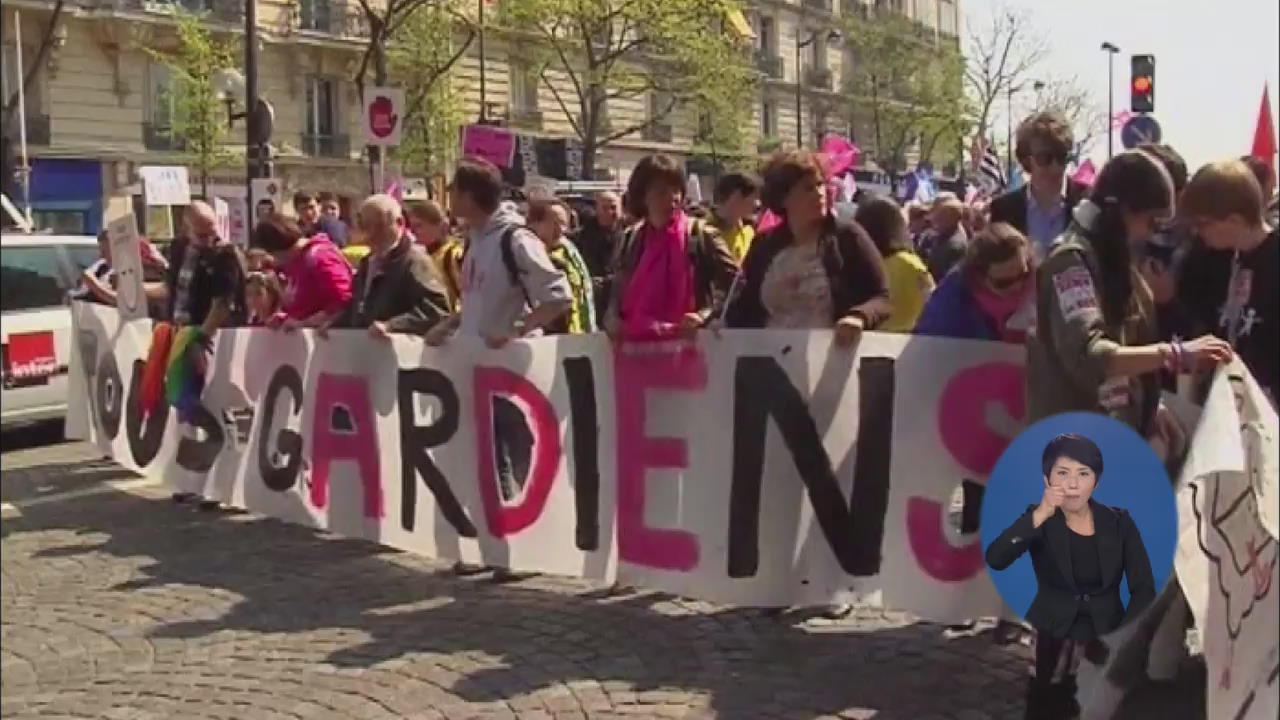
(1111, 51)
(799, 92)
(1008, 138)
(252, 150)
(480, 39)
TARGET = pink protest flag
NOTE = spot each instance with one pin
(768, 221)
(1264, 133)
(1086, 173)
(1119, 119)
(841, 154)
(395, 190)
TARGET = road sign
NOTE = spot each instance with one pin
(1140, 129)
(383, 110)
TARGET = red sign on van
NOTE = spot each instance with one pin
(30, 355)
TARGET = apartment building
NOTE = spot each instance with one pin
(100, 106)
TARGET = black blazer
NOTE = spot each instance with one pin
(1011, 207)
(1057, 600)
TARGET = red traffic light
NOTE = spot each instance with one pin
(1142, 84)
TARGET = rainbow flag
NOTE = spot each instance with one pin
(183, 381)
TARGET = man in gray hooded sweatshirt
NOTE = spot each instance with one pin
(510, 290)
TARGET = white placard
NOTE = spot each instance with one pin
(382, 116)
(415, 188)
(165, 185)
(222, 213)
(266, 197)
(126, 263)
(539, 185)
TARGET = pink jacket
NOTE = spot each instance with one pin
(319, 278)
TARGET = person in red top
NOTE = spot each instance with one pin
(317, 276)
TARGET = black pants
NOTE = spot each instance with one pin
(1051, 691)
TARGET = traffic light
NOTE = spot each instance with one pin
(1142, 86)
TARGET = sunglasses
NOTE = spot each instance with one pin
(1007, 282)
(1049, 157)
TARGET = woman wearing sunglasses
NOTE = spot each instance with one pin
(1094, 346)
(989, 295)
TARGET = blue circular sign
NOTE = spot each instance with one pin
(1140, 129)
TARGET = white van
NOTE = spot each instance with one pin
(35, 328)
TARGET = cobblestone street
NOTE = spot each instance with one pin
(119, 604)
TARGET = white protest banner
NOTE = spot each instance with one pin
(126, 263)
(762, 468)
(165, 185)
(222, 212)
(416, 188)
(381, 116)
(266, 197)
(537, 185)
(1226, 558)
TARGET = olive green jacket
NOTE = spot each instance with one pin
(1068, 351)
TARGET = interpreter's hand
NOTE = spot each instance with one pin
(690, 324)
(847, 331)
(438, 335)
(1049, 504)
(1207, 351)
(1160, 279)
(378, 331)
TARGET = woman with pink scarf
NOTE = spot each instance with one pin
(671, 270)
(990, 295)
(317, 276)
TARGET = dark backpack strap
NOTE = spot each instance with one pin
(514, 272)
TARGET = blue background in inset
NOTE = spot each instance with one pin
(1133, 478)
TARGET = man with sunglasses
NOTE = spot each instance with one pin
(1041, 208)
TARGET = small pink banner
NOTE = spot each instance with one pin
(489, 143)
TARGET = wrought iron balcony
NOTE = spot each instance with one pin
(330, 17)
(161, 138)
(658, 132)
(525, 118)
(818, 77)
(769, 64)
(327, 146)
(822, 5)
(229, 11)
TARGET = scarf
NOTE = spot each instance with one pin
(1000, 308)
(660, 290)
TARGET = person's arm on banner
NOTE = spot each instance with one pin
(443, 330)
(428, 299)
(1137, 569)
(546, 287)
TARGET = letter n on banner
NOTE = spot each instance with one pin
(345, 428)
(962, 424)
(636, 370)
(493, 387)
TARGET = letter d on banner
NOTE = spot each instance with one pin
(504, 519)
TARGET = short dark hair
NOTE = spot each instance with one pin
(1050, 129)
(656, 168)
(996, 243)
(1172, 162)
(481, 180)
(302, 198)
(540, 208)
(277, 233)
(1074, 447)
(325, 197)
(428, 210)
(884, 222)
(736, 182)
(785, 170)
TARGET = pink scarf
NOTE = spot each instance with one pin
(999, 308)
(660, 290)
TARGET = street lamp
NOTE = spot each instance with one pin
(1111, 51)
(833, 38)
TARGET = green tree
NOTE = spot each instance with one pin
(911, 84)
(666, 53)
(421, 53)
(200, 117)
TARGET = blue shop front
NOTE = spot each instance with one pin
(66, 195)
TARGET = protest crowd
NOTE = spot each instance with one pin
(1143, 281)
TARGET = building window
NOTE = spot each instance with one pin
(162, 108)
(314, 15)
(321, 117)
(768, 118)
(768, 36)
(524, 89)
(817, 49)
(947, 20)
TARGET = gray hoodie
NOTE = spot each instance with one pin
(491, 304)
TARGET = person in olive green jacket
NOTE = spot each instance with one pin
(1094, 347)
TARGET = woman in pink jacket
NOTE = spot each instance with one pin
(317, 276)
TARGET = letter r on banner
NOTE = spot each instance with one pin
(491, 382)
(633, 376)
(357, 441)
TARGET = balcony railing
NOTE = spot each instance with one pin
(658, 132)
(822, 5)
(530, 118)
(818, 77)
(160, 138)
(228, 11)
(769, 64)
(327, 146)
(37, 130)
(344, 19)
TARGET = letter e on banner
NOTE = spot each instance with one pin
(634, 375)
(344, 428)
(489, 384)
(962, 423)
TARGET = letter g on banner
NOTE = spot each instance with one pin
(962, 424)
(289, 443)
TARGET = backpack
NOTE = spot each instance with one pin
(508, 259)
